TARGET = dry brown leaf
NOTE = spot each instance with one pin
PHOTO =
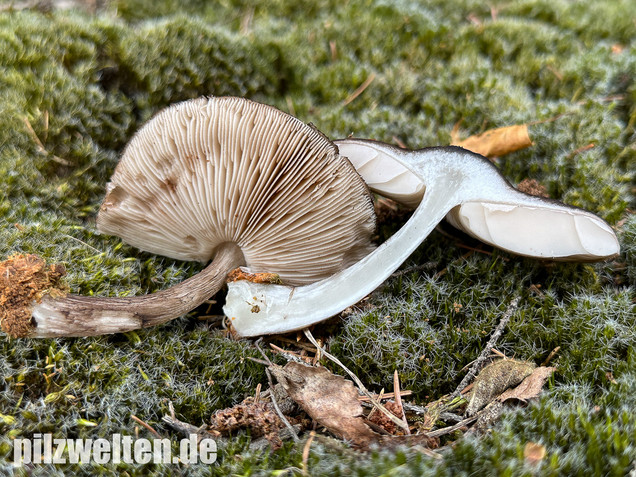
(332, 401)
(534, 453)
(494, 379)
(329, 399)
(496, 142)
(530, 387)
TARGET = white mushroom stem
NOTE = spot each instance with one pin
(75, 315)
(450, 177)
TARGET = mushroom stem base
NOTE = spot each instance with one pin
(75, 315)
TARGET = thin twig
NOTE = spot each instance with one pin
(147, 426)
(360, 89)
(404, 392)
(397, 421)
(280, 414)
(257, 343)
(552, 354)
(41, 147)
(182, 427)
(489, 346)
(447, 430)
(306, 449)
(398, 399)
(83, 243)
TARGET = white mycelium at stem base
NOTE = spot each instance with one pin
(448, 177)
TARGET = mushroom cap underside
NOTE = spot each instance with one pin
(214, 170)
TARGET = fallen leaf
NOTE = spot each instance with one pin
(494, 379)
(496, 142)
(534, 453)
(530, 387)
(332, 401)
(329, 399)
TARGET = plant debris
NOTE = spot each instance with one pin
(238, 274)
(23, 280)
(533, 187)
(257, 416)
(495, 142)
(494, 379)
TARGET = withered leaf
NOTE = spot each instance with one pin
(494, 379)
(332, 401)
(329, 399)
(496, 142)
(530, 387)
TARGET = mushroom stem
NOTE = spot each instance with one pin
(74, 315)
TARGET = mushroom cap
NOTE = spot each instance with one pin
(215, 170)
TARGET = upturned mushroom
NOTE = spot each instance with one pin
(444, 180)
(213, 177)
(512, 220)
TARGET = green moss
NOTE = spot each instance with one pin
(74, 88)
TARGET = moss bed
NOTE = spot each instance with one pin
(75, 85)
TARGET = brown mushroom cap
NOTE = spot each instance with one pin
(215, 170)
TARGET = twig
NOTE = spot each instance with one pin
(360, 89)
(398, 399)
(41, 147)
(449, 429)
(257, 343)
(83, 243)
(280, 414)
(257, 393)
(306, 449)
(289, 355)
(489, 346)
(397, 421)
(405, 392)
(182, 427)
(147, 426)
(552, 354)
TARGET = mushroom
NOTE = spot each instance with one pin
(445, 178)
(513, 221)
(226, 178)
